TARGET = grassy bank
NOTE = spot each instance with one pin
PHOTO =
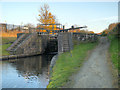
(114, 55)
(114, 50)
(68, 63)
(3, 49)
(8, 39)
(5, 46)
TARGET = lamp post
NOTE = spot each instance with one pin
(21, 26)
(5, 26)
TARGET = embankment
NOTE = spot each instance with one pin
(5, 43)
(114, 53)
(68, 63)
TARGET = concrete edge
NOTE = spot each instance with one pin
(17, 56)
(52, 64)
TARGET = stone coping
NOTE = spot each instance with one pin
(17, 56)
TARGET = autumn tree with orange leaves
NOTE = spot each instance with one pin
(46, 17)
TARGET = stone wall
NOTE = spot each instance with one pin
(37, 44)
(66, 40)
(82, 37)
(33, 44)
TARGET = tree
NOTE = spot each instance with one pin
(29, 25)
(111, 26)
(45, 16)
(104, 33)
(91, 32)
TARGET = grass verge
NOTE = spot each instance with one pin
(4, 46)
(68, 63)
(8, 39)
(3, 49)
(114, 50)
(114, 55)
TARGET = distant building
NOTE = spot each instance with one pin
(3, 27)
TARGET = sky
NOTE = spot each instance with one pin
(95, 15)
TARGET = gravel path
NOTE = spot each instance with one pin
(95, 72)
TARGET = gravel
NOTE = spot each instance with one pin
(95, 72)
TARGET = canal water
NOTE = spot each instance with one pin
(31, 72)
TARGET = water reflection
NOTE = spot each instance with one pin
(29, 72)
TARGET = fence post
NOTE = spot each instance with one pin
(19, 27)
(72, 27)
(13, 27)
(29, 29)
(6, 27)
(63, 28)
(52, 29)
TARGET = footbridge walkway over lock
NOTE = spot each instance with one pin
(39, 42)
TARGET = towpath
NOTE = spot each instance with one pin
(95, 72)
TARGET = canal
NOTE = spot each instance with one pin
(30, 72)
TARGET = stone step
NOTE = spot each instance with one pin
(66, 48)
(22, 39)
(66, 45)
(65, 41)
